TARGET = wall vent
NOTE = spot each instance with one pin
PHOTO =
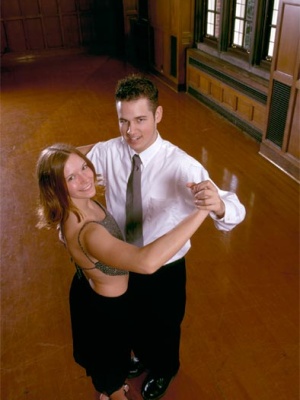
(278, 112)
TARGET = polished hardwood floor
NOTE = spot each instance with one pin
(240, 335)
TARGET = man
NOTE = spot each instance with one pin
(168, 191)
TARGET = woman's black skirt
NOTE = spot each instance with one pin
(100, 335)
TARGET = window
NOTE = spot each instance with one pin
(243, 22)
(242, 28)
(213, 18)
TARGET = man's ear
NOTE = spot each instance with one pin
(158, 114)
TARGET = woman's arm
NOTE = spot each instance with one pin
(145, 260)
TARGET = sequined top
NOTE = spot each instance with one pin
(109, 224)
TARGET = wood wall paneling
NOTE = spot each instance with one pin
(289, 40)
(3, 39)
(159, 13)
(30, 7)
(193, 77)
(158, 61)
(67, 6)
(87, 29)
(85, 5)
(239, 105)
(71, 31)
(205, 84)
(45, 24)
(130, 11)
(49, 7)
(167, 55)
(294, 142)
(171, 19)
(174, 18)
(244, 108)
(54, 38)
(34, 33)
(216, 91)
(259, 116)
(185, 36)
(280, 142)
(15, 35)
(230, 99)
(10, 9)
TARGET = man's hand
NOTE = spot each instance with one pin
(207, 197)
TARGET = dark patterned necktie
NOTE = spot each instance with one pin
(134, 210)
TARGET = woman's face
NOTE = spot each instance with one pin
(79, 178)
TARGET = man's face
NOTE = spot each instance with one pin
(137, 123)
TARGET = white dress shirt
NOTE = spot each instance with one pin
(166, 200)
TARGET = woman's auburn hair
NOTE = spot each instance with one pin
(55, 203)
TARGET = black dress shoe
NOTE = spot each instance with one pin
(154, 388)
(136, 368)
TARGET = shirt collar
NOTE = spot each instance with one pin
(150, 152)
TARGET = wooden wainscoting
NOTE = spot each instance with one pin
(228, 90)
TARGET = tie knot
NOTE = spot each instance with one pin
(136, 161)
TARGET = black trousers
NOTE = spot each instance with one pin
(158, 307)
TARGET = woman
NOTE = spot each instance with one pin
(98, 293)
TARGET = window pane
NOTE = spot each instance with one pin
(217, 30)
(211, 4)
(250, 10)
(276, 4)
(247, 41)
(242, 32)
(210, 18)
(238, 32)
(272, 35)
(271, 49)
(213, 18)
(273, 30)
(274, 17)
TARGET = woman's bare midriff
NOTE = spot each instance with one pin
(110, 286)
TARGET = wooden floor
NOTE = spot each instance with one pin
(240, 335)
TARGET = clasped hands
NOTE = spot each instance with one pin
(206, 197)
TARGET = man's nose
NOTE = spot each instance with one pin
(130, 128)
